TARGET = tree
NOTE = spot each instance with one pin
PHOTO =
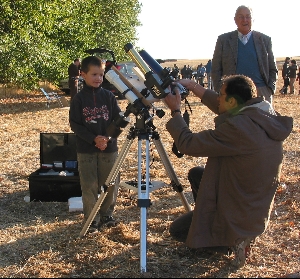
(40, 38)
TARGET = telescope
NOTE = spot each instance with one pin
(135, 106)
(158, 80)
(163, 73)
(152, 80)
(167, 76)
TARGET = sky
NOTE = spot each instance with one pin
(188, 29)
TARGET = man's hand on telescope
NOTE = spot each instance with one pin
(173, 101)
(193, 86)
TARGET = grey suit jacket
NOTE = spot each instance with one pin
(224, 60)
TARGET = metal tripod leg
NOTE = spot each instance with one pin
(170, 170)
(143, 202)
(111, 177)
(60, 102)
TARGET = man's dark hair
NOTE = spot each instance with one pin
(240, 87)
(91, 61)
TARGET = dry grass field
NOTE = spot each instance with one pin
(41, 239)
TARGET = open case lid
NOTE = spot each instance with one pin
(57, 147)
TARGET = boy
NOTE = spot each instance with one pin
(91, 112)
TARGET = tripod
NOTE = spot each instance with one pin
(144, 132)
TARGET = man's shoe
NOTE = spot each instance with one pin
(107, 221)
(93, 227)
(241, 252)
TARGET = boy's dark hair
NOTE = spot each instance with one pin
(240, 87)
(91, 61)
(293, 61)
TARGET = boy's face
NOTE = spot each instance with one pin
(94, 76)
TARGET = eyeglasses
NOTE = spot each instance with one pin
(240, 17)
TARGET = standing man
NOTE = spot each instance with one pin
(177, 69)
(292, 75)
(201, 73)
(208, 74)
(189, 72)
(183, 72)
(74, 72)
(247, 52)
(285, 75)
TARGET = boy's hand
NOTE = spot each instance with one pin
(101, 142)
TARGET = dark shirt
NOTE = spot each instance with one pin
(285, 69)
(293, 71)
(73, 71)
(91, 111)
(208, 67)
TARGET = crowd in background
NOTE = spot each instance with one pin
(201, 74)
(290, 75)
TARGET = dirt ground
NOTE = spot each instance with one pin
(41, 239)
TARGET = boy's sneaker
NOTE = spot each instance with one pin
(241, 252)
(107, 221)
(93, 227)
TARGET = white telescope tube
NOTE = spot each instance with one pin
(114, 79)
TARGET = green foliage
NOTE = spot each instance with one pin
(40, 38)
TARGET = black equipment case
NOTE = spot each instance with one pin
(57, 179)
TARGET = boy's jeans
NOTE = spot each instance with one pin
(93, 171)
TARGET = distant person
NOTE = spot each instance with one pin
(201, 73)
(247, 52)
(184, 72)
(234, 191)
(298, 79)
(74, 73)
(285, 75)
(292, 74)
(175, 68)
(208, 74)
(189, 72)
(91, 112)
